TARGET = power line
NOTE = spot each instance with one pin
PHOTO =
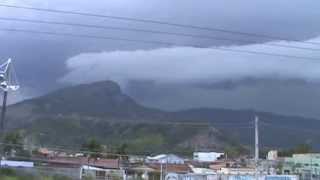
(189, 26)
(150, 31)
(289, 128)
(64, 149)
(156, 42)
(190, 123)
(85, 151)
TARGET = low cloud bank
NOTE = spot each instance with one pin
(189, 64)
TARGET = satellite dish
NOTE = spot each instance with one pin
(4, 85)
(14, 88)
(2, 78)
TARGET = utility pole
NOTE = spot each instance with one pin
(5, 77)
(256, 124)
(161, 175)
(311, 169)
(256, 157)
(3, 111)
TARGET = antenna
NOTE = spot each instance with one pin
(8, 82)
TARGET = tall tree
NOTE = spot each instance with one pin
(93, 148)
(13, 141)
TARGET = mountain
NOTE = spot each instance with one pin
(276, 131)
(100, 110)
(101, 99)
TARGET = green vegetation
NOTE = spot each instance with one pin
(13, 144)
(94, 147)
(119, 137)
(70, 117)
(10, 174)
(234, 151)
(299, 149)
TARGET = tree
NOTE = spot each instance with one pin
(122, 149)
(93, 147)
(233, 151)
(303, 148)
(13, 141)
(299, 149)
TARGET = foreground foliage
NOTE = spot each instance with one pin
(10, 174)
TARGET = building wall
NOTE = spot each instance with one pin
(307, 166)
(303, 163)
(227, 177)
(170, 159)
(206, 156)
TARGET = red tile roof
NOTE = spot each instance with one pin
(177, 168)
(103, 163)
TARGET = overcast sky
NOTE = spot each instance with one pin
(174, 77)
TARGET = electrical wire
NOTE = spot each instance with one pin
(155, 42)
(288, 128)
(152, 31)
(264, 36)
(64, 149)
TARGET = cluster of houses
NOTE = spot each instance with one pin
(202, 166)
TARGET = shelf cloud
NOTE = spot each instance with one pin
(189, 64)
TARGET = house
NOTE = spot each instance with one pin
(46, 152)
(75, 167)
(190, 176)
(70, 161)
(219, 164)
(171, 168)
(237, 171)
(101, 173)
(154, 171)
(303, 164)
(142, 172)
(206, 156)
(198, 170)
(136, 159)
(272, 155)
(165, 159)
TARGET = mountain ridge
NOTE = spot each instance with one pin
(86, 107)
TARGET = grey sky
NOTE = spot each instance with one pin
(48, 62)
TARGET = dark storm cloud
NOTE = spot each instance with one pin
(292, 97)
(41, 59)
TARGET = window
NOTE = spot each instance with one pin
(286, 171)
(100, 174)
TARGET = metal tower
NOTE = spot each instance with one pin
(8, 82)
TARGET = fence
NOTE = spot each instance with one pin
(173, 176)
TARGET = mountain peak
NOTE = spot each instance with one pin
(105, 87)
(103, 98)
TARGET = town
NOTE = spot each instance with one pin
(159, 90)
(202, 166)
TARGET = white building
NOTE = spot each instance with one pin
(19, 164)
(237, 171)
(272, 155)
(206, 156)
(101, 173)
(165, 159)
